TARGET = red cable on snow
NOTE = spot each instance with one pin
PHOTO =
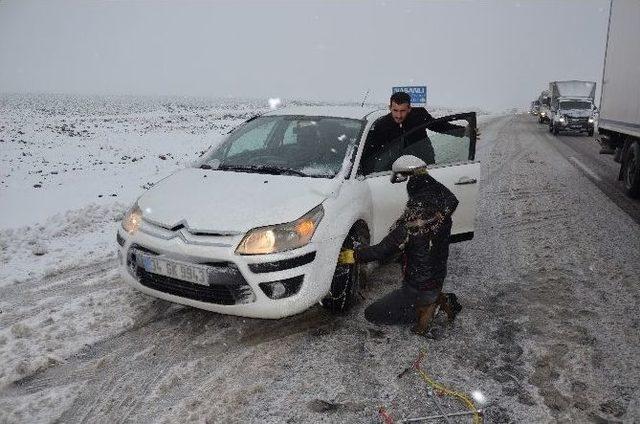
(386, 418)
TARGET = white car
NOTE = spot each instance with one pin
(255, 227)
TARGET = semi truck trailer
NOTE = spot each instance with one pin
(619, 120)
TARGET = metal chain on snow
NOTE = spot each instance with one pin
(440, 390)
(443, 391)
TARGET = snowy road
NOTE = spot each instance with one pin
(602, 170)
(549, 331)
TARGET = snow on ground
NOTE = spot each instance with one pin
(69, 169)
(57, 158)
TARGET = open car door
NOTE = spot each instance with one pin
(448, 146)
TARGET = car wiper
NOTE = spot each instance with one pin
(278, 170)
(205, 166)
(263, 168)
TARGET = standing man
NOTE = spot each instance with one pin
(408, 124)
(422, 236)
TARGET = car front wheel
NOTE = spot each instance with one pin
(347, 279)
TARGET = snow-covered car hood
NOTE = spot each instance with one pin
(577, 113)
(214, 201)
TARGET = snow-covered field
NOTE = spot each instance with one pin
(69, 169)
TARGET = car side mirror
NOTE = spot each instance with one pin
(404, 166)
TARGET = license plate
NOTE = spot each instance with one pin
(196, 274)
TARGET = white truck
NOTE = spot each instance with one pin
(619, 121)
(571, 106)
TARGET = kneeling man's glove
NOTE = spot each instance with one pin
(346, 257)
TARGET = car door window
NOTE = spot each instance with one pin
(442, 141)
(451, 145)
(448, 147)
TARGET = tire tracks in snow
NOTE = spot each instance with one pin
(119, 374)
(51, 290)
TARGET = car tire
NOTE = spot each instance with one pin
(590, 132)
(550, 127)
(617, 155)
(347, 279)
(555, 130)
(631, 174)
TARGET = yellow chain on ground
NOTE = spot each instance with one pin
(477, 418)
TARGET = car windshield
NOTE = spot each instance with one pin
(309, 146)
(575, 105)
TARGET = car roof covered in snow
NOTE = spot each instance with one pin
(353, 112)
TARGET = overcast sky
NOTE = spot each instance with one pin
(485, 54)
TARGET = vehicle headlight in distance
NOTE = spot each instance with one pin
(132, 220)
(591, 120)
(543, 113)
(562, 119)
(282, 237)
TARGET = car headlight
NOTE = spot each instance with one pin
(591, 120)
(282, 237)
(132, 220)
(562, 119)
(543, 113)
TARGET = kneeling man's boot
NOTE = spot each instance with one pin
(425, 315)
(449, 304)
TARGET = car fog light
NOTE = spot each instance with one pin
(282, 288)
(278, 290)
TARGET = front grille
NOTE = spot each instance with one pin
(221, 294)
(232, 288)
(578, 120)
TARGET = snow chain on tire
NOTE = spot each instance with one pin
(338, 303)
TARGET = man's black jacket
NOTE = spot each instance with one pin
(423, 238)
(414, 127)
(389, 139)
